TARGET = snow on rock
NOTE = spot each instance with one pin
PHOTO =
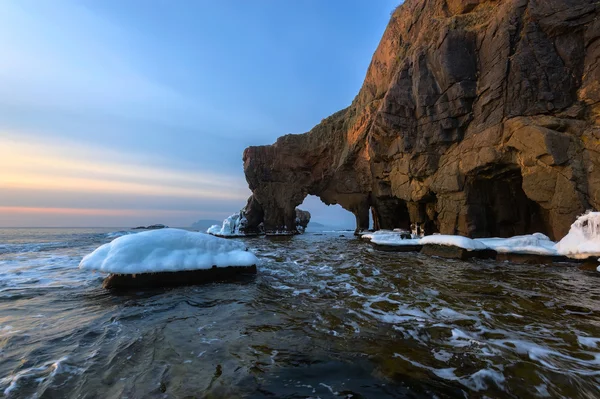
(536, 244)
(583, 239)
(451, 240)
(393, 238)
(233, 226)
(167, 250)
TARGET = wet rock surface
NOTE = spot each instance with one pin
(478, 118)
(125, 282)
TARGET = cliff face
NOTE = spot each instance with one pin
(478, 117)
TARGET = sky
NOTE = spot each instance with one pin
(124, 113)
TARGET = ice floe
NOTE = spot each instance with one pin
(167, 250)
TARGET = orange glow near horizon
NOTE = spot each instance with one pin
(73, 168)
(82, 211)
(66, 170)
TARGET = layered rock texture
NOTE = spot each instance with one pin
(478, 117)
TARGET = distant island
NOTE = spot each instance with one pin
(151, 227)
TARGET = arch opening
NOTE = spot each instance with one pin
(327, 217)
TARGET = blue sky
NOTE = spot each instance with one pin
(116, 113)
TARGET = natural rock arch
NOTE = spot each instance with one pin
(458, 100)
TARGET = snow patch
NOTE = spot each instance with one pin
(457, 241)
(536, 243)
(388, 237)
(167, 250)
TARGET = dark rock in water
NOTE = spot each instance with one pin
(589, 264)
(532, 259)
(397, 248)
(156, 227)
(170, 279)
(479, 118)
(248, 222)
(453, 252)
(302, 220)
(151, 227)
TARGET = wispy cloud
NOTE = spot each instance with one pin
(69, 167)
(70, 179)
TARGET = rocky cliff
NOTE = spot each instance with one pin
(476, 117)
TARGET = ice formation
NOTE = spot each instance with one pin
(232, 226)
(583, 239)
(167, 250)
(392, 238)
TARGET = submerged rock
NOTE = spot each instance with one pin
(454, 252)
(448, 134)
(181, 278)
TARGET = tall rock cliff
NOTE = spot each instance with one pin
(476, 117)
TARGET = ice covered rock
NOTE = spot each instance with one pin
(156, 256)
(452, 246)
(393, 240)
(233, 226)
(237, 225)
(583, 239)
(534, 244)
(456, 241)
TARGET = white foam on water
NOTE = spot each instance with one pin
(477, 381)
(40, 374)
(442, 355)
(542, 390)
(116, 234)
(589, 342)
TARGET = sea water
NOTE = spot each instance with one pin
(327, 316)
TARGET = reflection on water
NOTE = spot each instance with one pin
(326, 317)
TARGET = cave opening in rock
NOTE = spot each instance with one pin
(389, 213)
(327, 216)
(498, 206)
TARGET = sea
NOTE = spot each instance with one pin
(327, 316)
